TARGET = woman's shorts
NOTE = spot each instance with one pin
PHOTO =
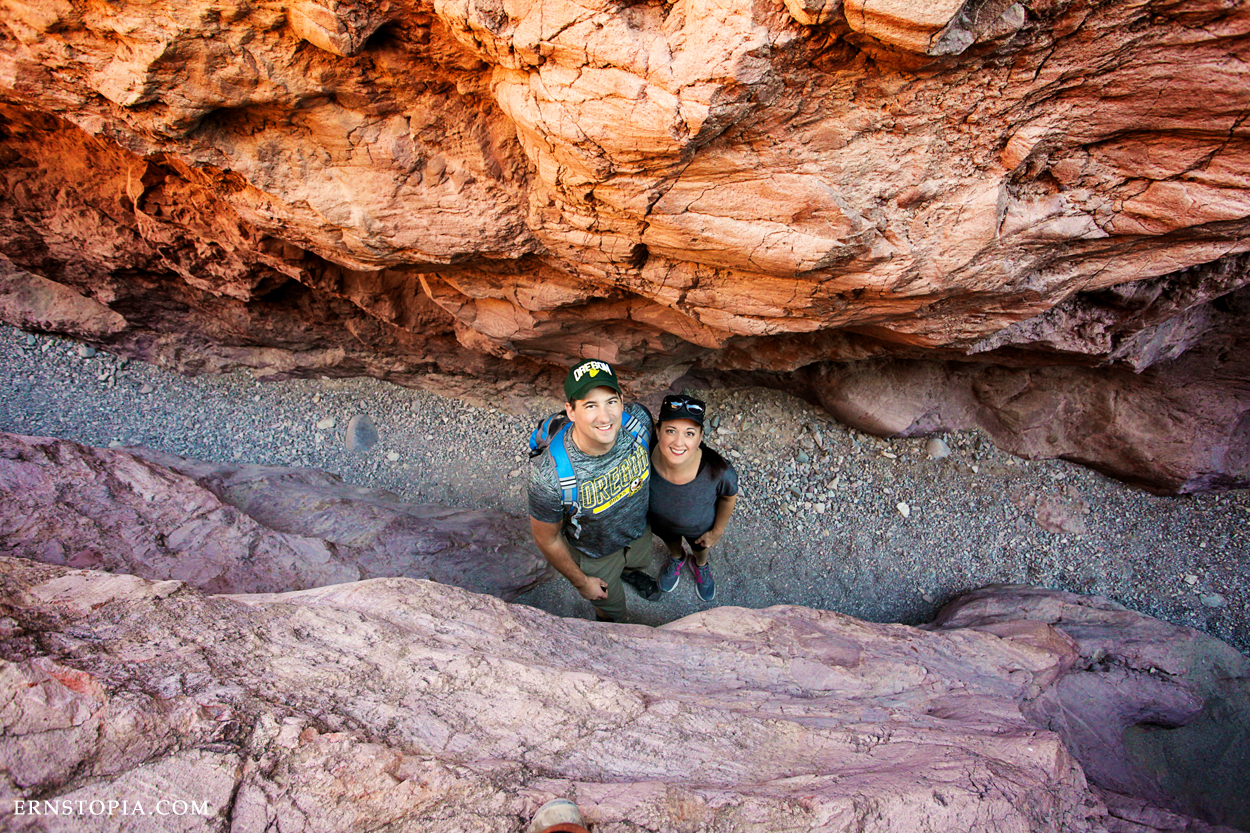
(669, 537)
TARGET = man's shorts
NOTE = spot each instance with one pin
(636, 556)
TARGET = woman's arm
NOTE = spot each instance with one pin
(724, 508)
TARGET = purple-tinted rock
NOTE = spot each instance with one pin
(411, 705)
(240, 529)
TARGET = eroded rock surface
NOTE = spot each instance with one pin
(1150, 709)
(1177, 426)
(419, 706)
(241, 528)
(467, 191)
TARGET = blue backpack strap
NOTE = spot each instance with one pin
(564, 469)
(640, 433)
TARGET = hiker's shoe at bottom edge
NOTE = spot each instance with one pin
(670, 576)
(704, 584)
(558, 814)
(643, 583)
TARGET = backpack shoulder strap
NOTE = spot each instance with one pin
(565, 475)
(639, 432)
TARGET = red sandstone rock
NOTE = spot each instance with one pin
(413, 705)
(459, 191)
(241, 528)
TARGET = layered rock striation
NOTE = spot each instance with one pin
(408, 705)
(226, 528)
(468, 190)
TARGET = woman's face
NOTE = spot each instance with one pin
(678, 439)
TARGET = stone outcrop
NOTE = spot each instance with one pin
(1178, 426)
(410, 705)
(1150, 709)
(242, 528)
(462, 191)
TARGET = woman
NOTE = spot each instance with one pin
(693, 492)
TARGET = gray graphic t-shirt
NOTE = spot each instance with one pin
(612, 492)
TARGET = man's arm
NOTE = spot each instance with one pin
(554, 548)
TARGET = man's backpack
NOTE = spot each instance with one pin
(552, 435)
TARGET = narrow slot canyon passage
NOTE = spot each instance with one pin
(820, 522)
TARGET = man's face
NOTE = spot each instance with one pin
(596, 420)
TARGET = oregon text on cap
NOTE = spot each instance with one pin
(591, 367)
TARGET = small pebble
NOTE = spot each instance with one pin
(1191, 579)
(392, 456)
(1212, 600)
(87, 351)
(904, 510)
(326, 424)
(937, 448)
(146, 388)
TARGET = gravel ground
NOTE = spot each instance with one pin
(827, 517)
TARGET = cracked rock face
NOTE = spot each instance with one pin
(241, 528)
(473, 190)
(414, 706)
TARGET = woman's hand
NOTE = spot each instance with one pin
(708, 539)
(724, 508)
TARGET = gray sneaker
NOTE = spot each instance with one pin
(704, 584)
(670, 576)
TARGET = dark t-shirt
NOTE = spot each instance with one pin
(611, 489)
(690, 509)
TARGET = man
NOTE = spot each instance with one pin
(605, 537)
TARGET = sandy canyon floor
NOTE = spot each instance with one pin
(827, 517)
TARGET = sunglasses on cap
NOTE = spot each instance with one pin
(680, 406)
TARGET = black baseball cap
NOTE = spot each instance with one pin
(680, 406)
(586, 375)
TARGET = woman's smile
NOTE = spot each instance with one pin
(679, 440)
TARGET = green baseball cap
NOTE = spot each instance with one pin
(588, 374)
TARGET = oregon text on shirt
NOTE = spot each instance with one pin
(623, 480)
